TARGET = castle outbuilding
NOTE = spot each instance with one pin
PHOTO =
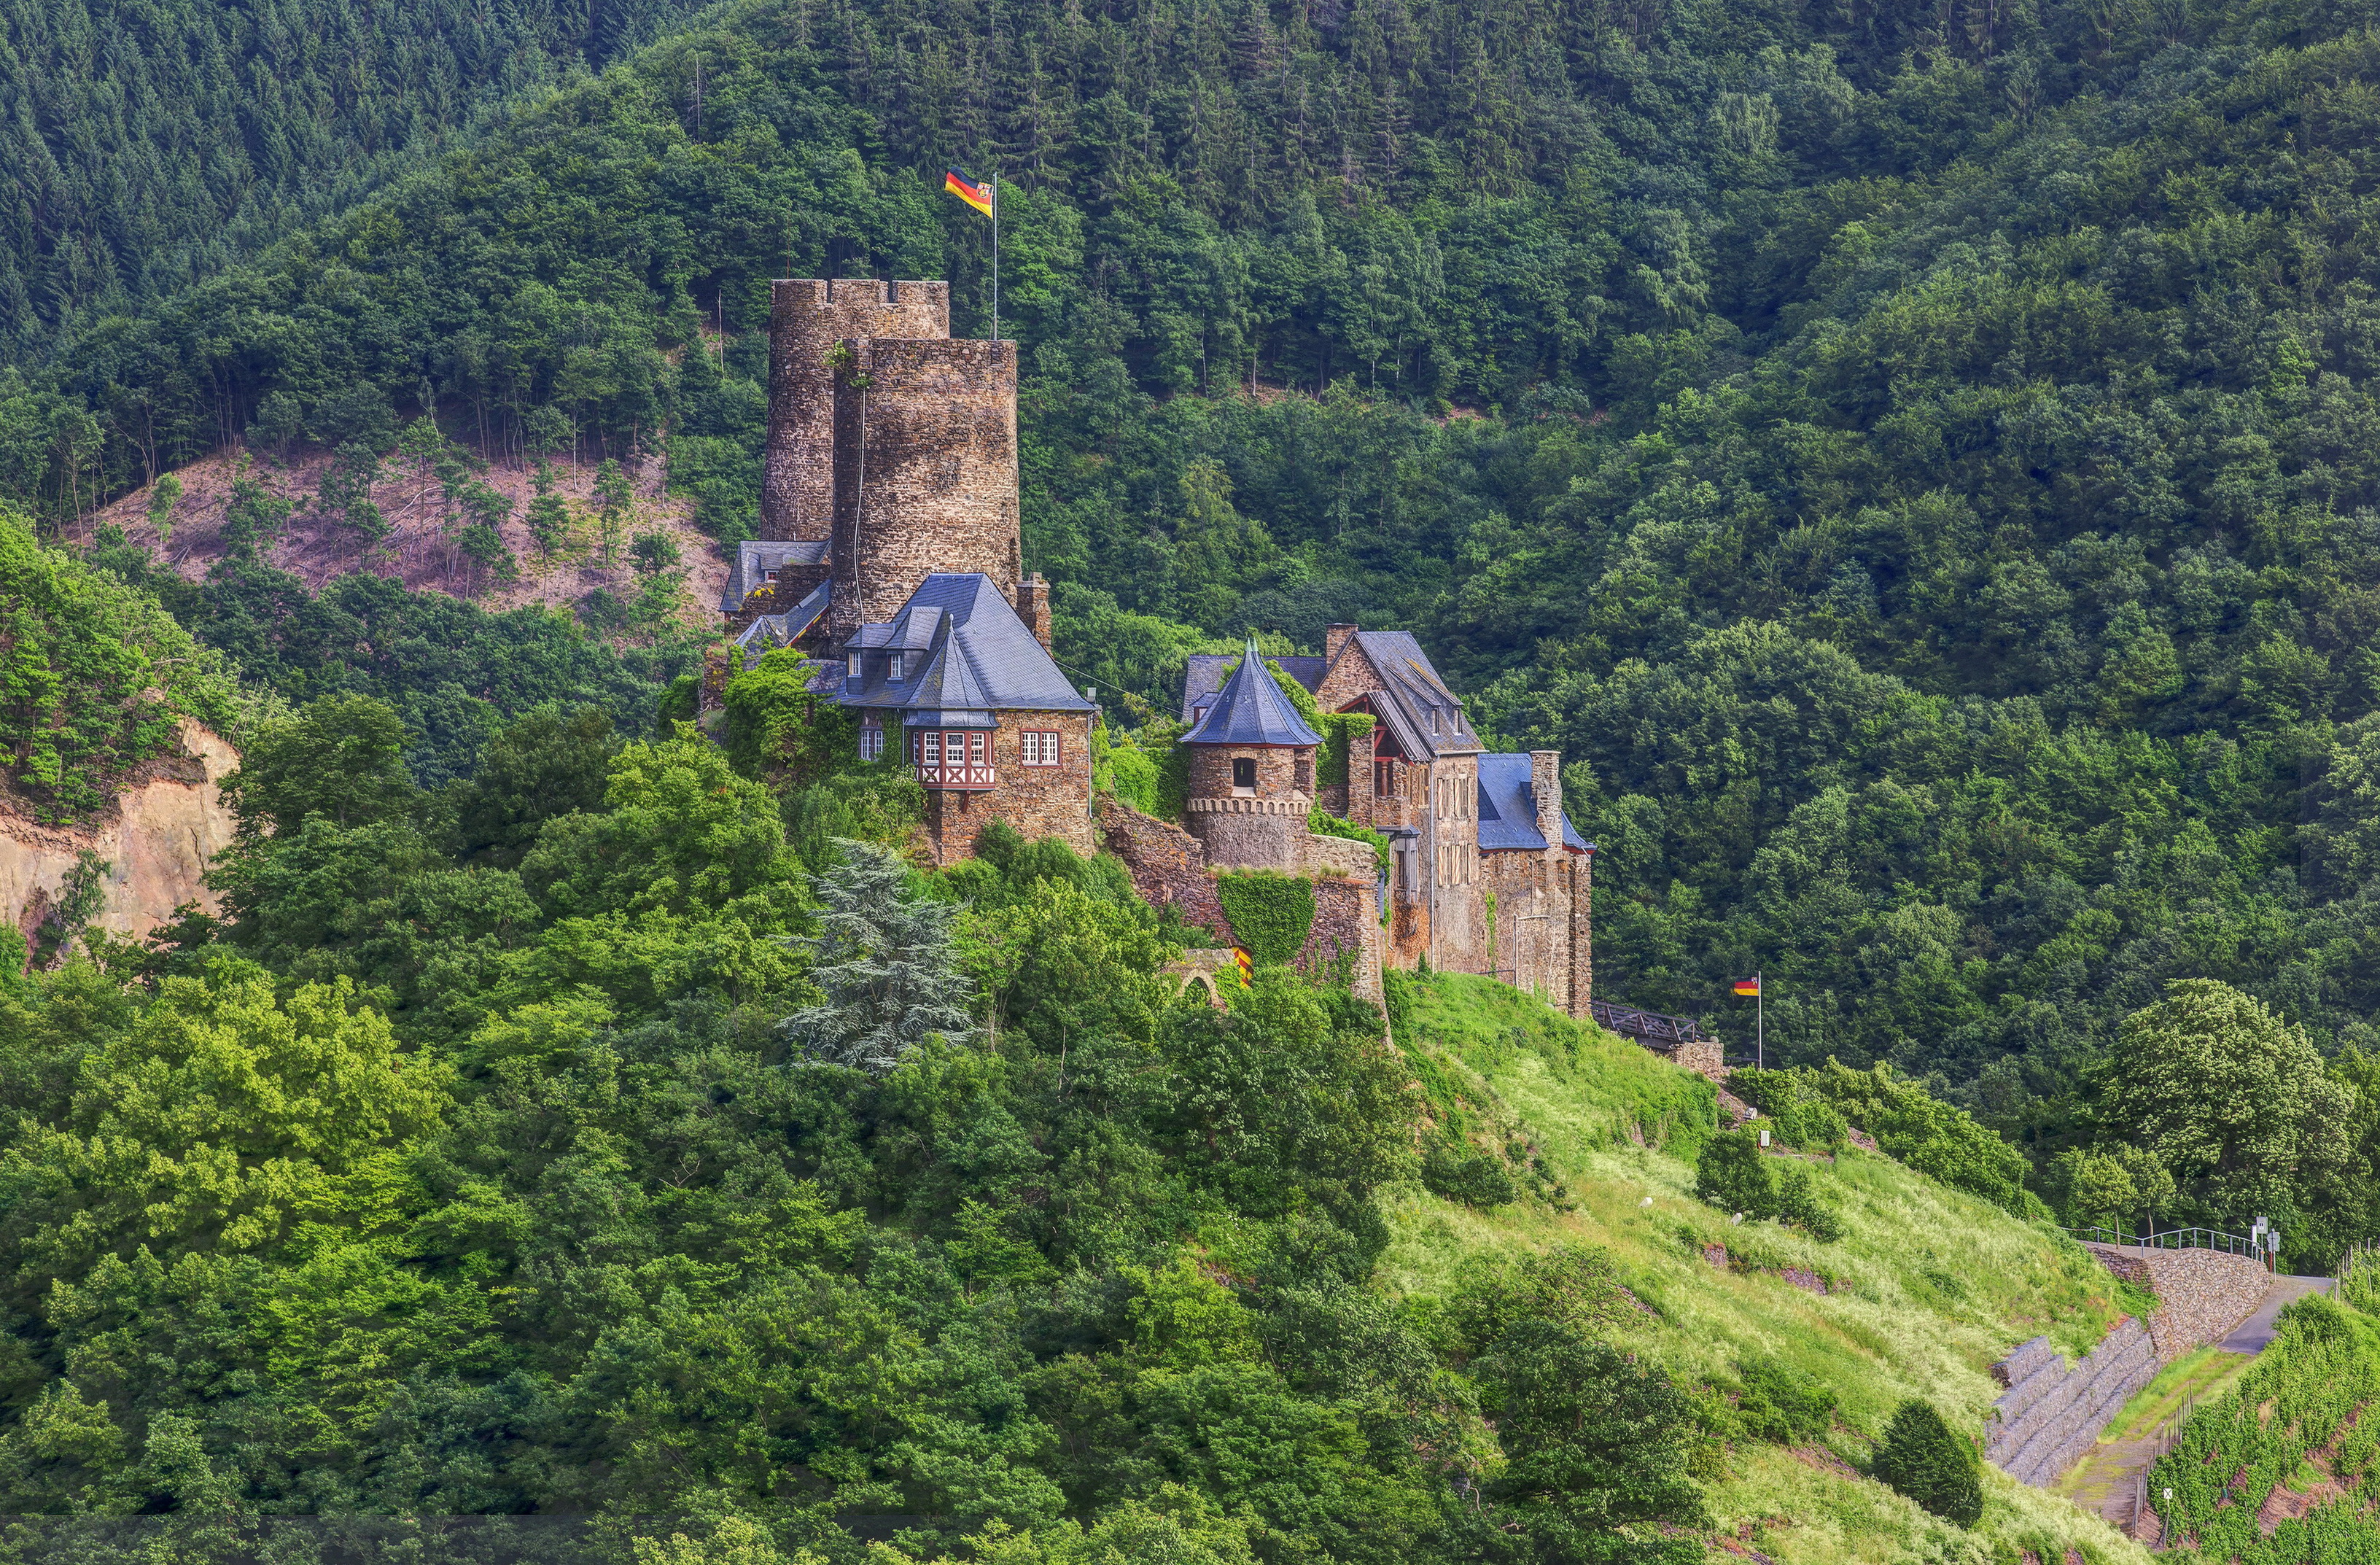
(957, 685)
(1488, 874)
(1251, 773)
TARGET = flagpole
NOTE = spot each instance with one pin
(1759, 1021)
(995, 255)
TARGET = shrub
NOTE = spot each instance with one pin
(1922, 1459)
(1798, 1113)
(1731, 1174)
(1270, 913)
(1781, 1403)
(1460, 1173)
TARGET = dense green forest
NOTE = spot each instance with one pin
(1904, 458)
(148, 145)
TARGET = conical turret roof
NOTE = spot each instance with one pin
(1251, 709)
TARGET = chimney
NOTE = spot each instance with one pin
(1545, 786)
(1033, 607)
(1334, 640)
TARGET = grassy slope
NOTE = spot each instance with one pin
(1931, 1286)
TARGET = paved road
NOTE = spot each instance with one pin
(2255, 1333)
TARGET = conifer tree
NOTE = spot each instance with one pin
(1922, 1459)
(886, 960)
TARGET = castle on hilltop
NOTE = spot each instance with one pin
(892, 553)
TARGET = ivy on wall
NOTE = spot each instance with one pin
(1270, 913)
(1324, 824)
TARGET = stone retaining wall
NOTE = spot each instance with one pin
(2201, 1294)
(2051, 1413)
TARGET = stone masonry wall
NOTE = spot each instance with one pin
(1248, 833)
(1281, 770)
(1169, 869)
(807, 317)
(2051, 1413)
(1039, 801)
(2201, 1294)
(1532, 928)
(925, 473)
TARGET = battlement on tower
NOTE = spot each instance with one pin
(807, 317)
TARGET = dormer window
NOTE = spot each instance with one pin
(851, 665)
(893, 667)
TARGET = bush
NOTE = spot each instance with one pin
(1922, 1459)
(1460, 1173)
(1798, 1113)
(1732, 1175)
(1781, 1403)
(1270, 913)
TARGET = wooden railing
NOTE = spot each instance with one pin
(1650, 1025)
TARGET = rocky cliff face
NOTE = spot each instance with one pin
(166, 823)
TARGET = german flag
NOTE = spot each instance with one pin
(1748, 988)
(968, 190)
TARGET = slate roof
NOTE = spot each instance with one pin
(1203, 680)
(1252, 710)
(1508, 808)
(1414, 704)
(965, 657)
(769, 632)
(754, 561)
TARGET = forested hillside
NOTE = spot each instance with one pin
(149, 145)
(1907, 458)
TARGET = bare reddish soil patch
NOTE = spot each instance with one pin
(420, 550)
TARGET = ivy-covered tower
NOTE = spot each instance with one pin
(1251, 773)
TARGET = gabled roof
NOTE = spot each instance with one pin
(1508, 808)
(1252, 710)
(1421, 713)
(1202, 681)
(769, 632)
(965, 655)
(754, 561)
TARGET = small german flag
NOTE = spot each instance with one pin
(968, 190)
(1748, 988)
(1247, 967)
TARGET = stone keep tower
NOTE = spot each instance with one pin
(1251, 773)
(889, 441)
(807, 317)
(924, 472)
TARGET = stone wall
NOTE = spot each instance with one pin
(1169, 869)
(925, 473)
(2201, 1294)
(1039, 801)
(807, 317)
(1248, 833)
(1531, 933)
(2052, 1413)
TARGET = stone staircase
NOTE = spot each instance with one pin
(2052, 1413)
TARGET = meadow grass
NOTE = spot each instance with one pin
(1926, 1289)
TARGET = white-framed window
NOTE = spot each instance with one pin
(1038, 746)
(851, 665)
(929, 747)
(871, 736)
(893, 670)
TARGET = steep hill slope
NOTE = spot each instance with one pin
(1924, 1291)
(150, 145)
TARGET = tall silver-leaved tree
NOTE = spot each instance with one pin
(887, 965)
(2234, 1100)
